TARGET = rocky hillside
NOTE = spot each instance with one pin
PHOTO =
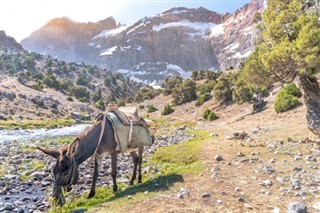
(9, 43)
(172, 43)
(37, 87)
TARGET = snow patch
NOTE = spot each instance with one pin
(133, 29)
(198, 26)
(108, 33)
(245, 55)
(109, 51)
(217, 30)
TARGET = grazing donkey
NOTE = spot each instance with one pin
(98, 140)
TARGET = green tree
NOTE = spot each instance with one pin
(185, 92)
(289, 48)
(222, 90)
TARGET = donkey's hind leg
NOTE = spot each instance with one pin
(114, 158)
(135, 160)
(140, 152)
(97, 162)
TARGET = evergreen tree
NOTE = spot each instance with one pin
(289, 48)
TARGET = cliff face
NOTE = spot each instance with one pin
(65, 39)
(9, 43)
(174, 42)
(236, 42)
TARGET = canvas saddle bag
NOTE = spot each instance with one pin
(130, 130)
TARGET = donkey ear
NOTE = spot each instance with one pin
(74, 148)
(52, 153)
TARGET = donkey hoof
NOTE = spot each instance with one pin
(115, 189)
(91, 194)
(130, 183)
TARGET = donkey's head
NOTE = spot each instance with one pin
(65, 171)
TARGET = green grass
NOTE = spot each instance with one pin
(172, 162)
(60, 141)
(33, 124)
(27, 168)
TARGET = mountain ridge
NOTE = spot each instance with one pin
(171, 43)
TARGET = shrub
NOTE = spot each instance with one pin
(167, 110)
(100, 105)
(242, 93)
(141, 106)
(70, 99)
(212, 116)
(206, 113)
(121, 102)
(287, 98)
(205, 88)
(151, 109)
(285, 102)
(38, 85)
(80, 92)
(82, 81)
(209, 115)
(222, 90)
(203, 98)
(170, 84)
(292, 89)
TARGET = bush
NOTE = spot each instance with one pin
(151, 109)
(167, 110)
(287, 98)
(206, 113)
(203, 98)
(285, 101)
(222, 90)
(100, 105)
(82, 81)
(205, 88)
(292, 89)
(141, 106)
(80, 92)
(170, 84)
(212, 116)
(38, 85)
(209, 115)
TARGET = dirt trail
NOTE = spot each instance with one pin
(276, 166)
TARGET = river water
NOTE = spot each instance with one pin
(7, 136)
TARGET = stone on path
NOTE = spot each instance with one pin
(297, 208)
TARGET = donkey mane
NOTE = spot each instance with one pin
(88, 141)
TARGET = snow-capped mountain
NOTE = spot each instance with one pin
(174, 42)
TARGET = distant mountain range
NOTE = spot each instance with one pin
(174, 42)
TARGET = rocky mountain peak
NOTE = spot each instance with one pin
(9, 43)
(173, 42)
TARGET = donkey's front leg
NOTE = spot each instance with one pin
(114, 158)
(140, 152)
(97, 163)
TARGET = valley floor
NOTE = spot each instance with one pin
(276, 165)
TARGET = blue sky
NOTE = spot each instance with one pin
(139, 9)
(19, 18)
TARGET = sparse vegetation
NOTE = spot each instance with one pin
(31, 124)
(151, 109)
(167, 109)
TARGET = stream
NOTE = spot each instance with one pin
(24, 188)
(7, 136)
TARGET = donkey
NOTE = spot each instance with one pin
(87, 144)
